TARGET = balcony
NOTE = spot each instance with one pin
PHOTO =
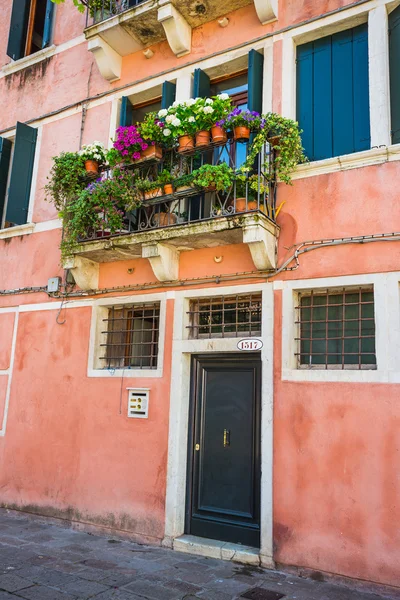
(187, 217)
(118, 28)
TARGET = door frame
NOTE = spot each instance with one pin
(194, 412)
(181, 351)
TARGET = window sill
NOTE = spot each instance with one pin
(16, 231)
(126, 373)
(375, 156)
(27, 61)
(336, 376)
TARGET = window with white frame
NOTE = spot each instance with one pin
(336, 329)
(130, 336)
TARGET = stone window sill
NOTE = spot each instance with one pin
(375, 156)
(27, 61)
(17, 230)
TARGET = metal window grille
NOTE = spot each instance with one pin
(225, 316)
(336, 329)
(132, 336)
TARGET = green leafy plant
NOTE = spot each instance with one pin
(101, 206)
(288, 148)
(218, 176)
(165, 177)
(93, 5)
(145, 185)
(184, 181)
(151, 129)
(67, 178)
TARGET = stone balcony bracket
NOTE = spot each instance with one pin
(260, 236)
(164, 260)
(84, 271)
(177, 29)
(267, 10)
(108, 60)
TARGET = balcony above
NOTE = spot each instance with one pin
(122, 27)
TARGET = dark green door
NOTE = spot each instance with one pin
(224, 449)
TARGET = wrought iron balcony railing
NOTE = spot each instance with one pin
(104, 9)
(188, 204)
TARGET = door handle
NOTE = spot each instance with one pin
(227, 438)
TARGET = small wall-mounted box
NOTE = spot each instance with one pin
(138, 403)
(53, 284)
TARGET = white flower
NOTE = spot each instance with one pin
(191, 119)
(166, 132)
(223, 96)
(170, 118)
(175, 104)
(209, 101)
(162, 113)
(208, 110)
(176, 122)
(190, 102)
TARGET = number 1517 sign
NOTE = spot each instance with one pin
(250, 344)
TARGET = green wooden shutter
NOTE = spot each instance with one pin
(333, 94)
(126, 116)
(5, 153)
(48, 24)
(201, 84)
(255, 81)
(21, 174)
(168, 94)
(394, 63)
(18, 29)
(322, 93)
(304, 96)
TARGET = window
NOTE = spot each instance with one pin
(30, 28)
(134, 113)
(333, 94)
(336, 329)
(225, 316)
(394, 61)
(16, 169)
(131, 337)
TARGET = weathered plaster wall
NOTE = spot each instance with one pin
(336, 485)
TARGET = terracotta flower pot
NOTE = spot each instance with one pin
(168, 189)
(186, 142)
(241, 134)
(241, 205)
(161, 219)
(218, 135)
(154, 193)
(151, 152)
(92, 166)
(274, 140)
(202, 138)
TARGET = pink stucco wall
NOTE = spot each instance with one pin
(70, 449)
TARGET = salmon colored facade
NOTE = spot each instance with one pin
(330, 444)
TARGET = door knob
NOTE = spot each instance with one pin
(197, 447)
(227, 438)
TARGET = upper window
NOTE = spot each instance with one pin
(131, 337)
(333, 94)
(30, 28)
(16, 170)
(394, 61)
(336, 329)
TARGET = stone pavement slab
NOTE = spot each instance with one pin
(42, 561)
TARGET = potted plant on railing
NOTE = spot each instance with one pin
(180, 124)
(165, 179)
(148, 188)
(151, 130)
(184, 183)
(66, 179)
(242, 122)
(286, 143)
(222, 106)
(94, 156)
(129, 144)
(214, 177)
(99, 209)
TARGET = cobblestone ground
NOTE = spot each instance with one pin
(42, 561)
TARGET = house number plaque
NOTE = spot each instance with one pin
(250, 344)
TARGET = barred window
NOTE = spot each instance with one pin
(336, 329)
(225, 316)
(132, 336)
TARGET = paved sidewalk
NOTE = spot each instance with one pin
(42, 561)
